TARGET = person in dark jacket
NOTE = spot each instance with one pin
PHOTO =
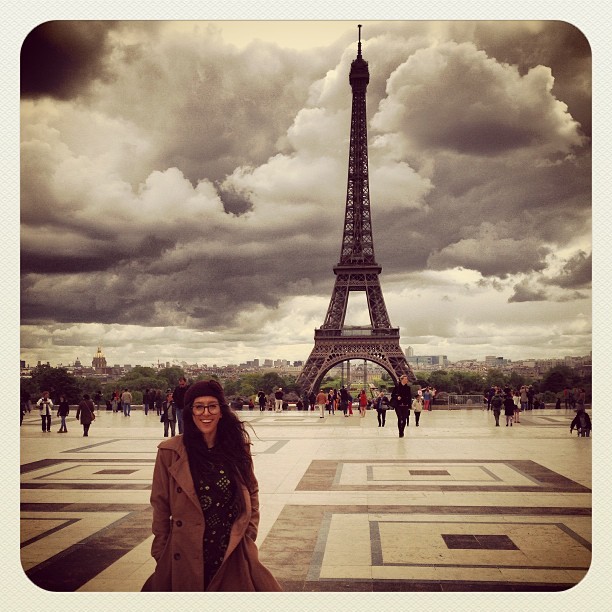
(497, 401)
(582, 423)
(344, 400)
(509, 407)
(85, 413)
(179, 399)
(401, 399)
(381, 403)
(169, 416)
(62, 412)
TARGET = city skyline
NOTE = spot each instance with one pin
(203, 226)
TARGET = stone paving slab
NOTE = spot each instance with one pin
(457, 505)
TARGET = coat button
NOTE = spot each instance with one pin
(177, 556)
(179, 490)
(179, 523)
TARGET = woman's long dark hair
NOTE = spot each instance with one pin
(232, 443)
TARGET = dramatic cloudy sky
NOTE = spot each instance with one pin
(183, 187)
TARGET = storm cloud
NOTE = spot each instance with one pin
(173, 180)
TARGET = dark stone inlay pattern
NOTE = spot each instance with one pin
(116, 472)
(65, 523)
(323, 475)
(84, 486)
(278, 550)
(291, 554)
(72, 568)
(37, 465)
(432, 586)
(428, 472)
(481, 542)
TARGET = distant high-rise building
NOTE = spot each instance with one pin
(409, 352)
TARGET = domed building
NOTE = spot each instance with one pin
(99, 361)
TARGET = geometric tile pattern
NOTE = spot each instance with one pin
(456, 475)
(356, 548)
(457, 505)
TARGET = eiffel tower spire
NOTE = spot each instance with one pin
(357, 269)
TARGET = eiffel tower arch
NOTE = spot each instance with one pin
(357, 270)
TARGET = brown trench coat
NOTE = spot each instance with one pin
(178, 527)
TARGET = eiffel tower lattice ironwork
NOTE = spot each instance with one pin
(357, 269)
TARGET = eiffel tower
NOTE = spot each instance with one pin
(357, 269)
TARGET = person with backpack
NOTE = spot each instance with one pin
(381, 403)
(497, 402)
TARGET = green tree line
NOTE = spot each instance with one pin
(58, 380)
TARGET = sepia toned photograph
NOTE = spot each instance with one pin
(319, 295)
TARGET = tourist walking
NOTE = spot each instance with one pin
(85, 414)
(417, 406)
(344, 400)
(363, 403)
(261, 399)
(179, 399)
(508, 407)
(313, 400)
(145, 401)
(524, 399)
(278, 400)
(205, 500)
(349, 403)
(115, 401)
(530, 397)
(126, 402)
(169, 416)
(151, 399)
(63, 409)
(497, 401)
(401, 399)
(426, 399)
(45, 406)
(320, 401)
(516, 398)
(330, 401)
(381, 404)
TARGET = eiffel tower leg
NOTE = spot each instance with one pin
(382, 349)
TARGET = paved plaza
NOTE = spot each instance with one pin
(346, 506)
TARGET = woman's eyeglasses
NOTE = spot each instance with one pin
(199, 409)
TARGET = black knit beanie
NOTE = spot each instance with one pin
(204, 387)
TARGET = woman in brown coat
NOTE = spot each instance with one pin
(205, 503)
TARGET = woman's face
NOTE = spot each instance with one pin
(201, 414)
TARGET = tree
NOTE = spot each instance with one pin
(171, 375)
(556, 379)
(441, 380)
(495, 378)
(55, 380)
(270, 381)
(465, 382)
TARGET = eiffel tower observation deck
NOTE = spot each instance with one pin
(357, 269)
